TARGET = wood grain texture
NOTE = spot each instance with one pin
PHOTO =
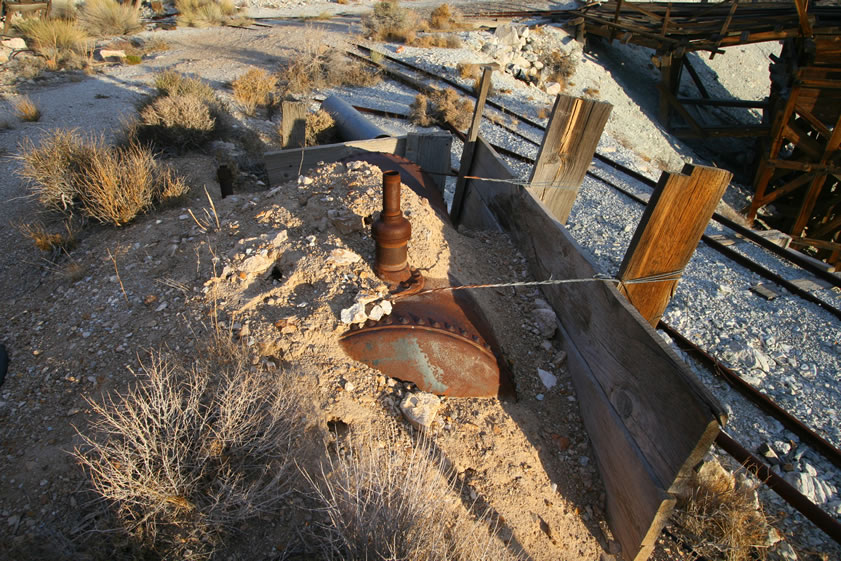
(649, 418)
(283, 165)
(293, 124)
(569, 143)
(668, 233)
(431, 151)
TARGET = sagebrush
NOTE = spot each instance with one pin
(205, 13)
(442, 107)
(192, 452)
(27, 110)
(321, 128)
(389, 21)
(102, 18)
(184, 114)
(61, 42)
(70, 173)
(397, 501)
(320, 66)
(254, 89)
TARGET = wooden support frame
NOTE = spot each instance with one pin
(668, 233)
(649, 420)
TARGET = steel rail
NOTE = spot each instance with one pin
(797, 258)
(769, 406)
(783, 488)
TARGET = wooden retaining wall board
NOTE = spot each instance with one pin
(649, 419)
(430, 151)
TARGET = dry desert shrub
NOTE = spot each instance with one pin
(184, 114)
(47, 240)
(176, 120)
(27, 110)
(191, 453)
(63, 9)
(319, 66)
(62, 42)
(446, 18)
(320, 128)
(559, 67)
(68, 172)
(469, 70)
(103, 18)
(391, 22)
(205, 13)
(396, 502)
(253, 89)
(430, 40)
(440, 107)
(722, 517)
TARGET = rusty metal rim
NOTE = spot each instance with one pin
(472, 340)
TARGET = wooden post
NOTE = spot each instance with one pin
(575, 127)
(469, 146)
(667, 235)
(293, 124)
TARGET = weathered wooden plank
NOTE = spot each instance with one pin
(569, 143)
(293, 124)
(283, 165)
(649, 395)
(668, 233)
(431, 151)
(486, 163)
(456, 210)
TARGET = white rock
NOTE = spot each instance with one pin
(304, 180)
(341, 256)
(5, 54)
(521, 62)
(552, 88)
(386, 306)
(112, 54)
(549, 380)
(281, 237)
(256, 264)
(16, 43)
(420, 408)
(376, 313)
(506, 34)
(354, 314)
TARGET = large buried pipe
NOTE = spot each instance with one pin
(350, 122)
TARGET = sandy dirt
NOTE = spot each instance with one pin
(76, 326)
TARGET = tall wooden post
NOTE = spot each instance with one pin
(569, 143)
(667, 235)
(293, 124)
(469, 147)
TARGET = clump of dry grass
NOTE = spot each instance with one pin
(185, 113)
(396, 502)
(254, 88)
(192, 452)
(431, 40)
(205, 13)
(27, 110)
(103, 18)
(47, 240)
(391, 22)
(62, 42)
(320, 128)
(445, 18)
(722, 517)
(176, 120)
(558, 67)
(441, 107)
(69, 173)
(469, 70)
(320, 66)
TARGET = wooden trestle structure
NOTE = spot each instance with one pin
(798, 159)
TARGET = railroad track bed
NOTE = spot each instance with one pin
(788, 348)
